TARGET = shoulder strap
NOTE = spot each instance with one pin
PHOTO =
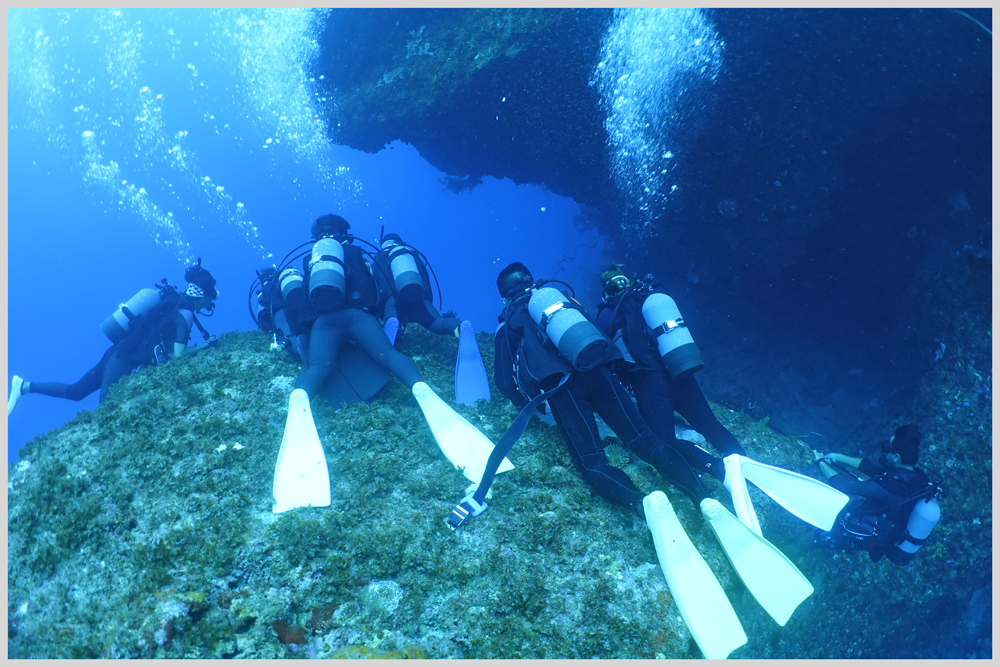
(473, 504)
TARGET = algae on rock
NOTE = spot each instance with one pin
(144, 529)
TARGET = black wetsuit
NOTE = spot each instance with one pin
(656, 393)
(875, 521)
(420, 310)
(353, 321)
(525, 365)
(135, 351)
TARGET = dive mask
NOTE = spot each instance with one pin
(616, 285)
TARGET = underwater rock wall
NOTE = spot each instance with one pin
(144, 529)
(483, 92)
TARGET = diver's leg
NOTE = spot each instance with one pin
(364, 328)
(324, 341)
(85, 386)
(574, 416)
(691, 404)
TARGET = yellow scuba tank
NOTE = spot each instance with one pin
(578, 339)
(673, 340)
(119, 323)
(327, 281)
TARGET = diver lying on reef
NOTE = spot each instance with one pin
(152, 327)
(547, 348)
(659, 362)
(333, 298)
(896, 508)
(401, 272)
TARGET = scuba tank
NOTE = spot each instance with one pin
(405, 273)
(119, 323)
(291, 284)
(578, 339)
(263, 313)
(673, 340)
(271, 310)
(327, 281)
(923, 518)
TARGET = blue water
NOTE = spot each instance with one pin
(140, 140)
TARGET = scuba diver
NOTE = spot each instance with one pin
(272, 315)
(547, 348)
(152, 327)
(659, 362)
(896, 508)
(405, 296)
(334, 298)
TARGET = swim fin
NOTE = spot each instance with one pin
(737, 487)
(767, 573)
(471, 383)
(301, 477)
(700, 599)
(15, 393)
(461, 442)
(809, 499)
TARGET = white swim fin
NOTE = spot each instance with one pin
(700, 599)
(767, 573)
(809, 499)
(301, 477)
(461, 442)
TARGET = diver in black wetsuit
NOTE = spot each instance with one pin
(528, 362)
(895, 509)
(152, 337)
(657, 392)
(349, 319)
(405, 291)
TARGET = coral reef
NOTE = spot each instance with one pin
(144, 529)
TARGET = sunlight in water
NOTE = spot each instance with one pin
(127, 80)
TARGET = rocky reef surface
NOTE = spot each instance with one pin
(144, 529)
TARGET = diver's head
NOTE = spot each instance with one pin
(906, 442)
(513, 281)
(201, 283)
(390, 240)
(614, 281)
(330, 225)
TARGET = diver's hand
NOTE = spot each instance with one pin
(818, 455)
(213, 341)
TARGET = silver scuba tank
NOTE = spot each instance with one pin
(923, 518)
(327, 281)
(290, 280)
(673, 340)
(578, 339)
(405, 273)
(119, 323)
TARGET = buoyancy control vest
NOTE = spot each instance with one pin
(529, 354)
(645, 323)
(149, 329)
(359, 290)
(894, 530)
